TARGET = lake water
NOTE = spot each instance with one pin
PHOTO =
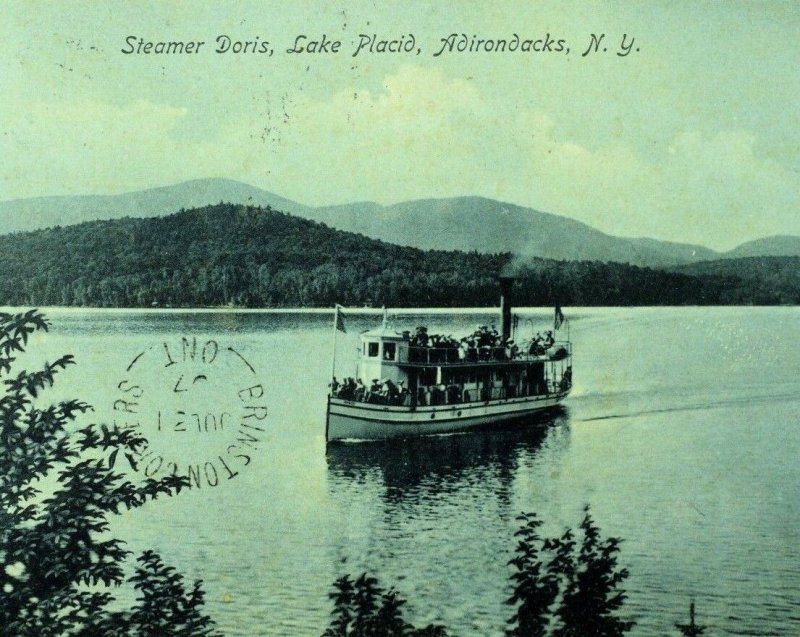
(681, 434)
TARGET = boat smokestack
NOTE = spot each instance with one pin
(506, 282)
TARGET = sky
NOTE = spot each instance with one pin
(693, 136)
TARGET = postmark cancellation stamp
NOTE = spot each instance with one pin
(199, 403)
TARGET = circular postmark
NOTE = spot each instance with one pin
(200, 405)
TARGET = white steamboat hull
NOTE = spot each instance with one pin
(350, 420)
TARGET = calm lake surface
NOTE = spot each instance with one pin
(681, 434)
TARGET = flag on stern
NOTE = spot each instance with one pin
(340, 319)
(559, 317)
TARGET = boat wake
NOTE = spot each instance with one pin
(722, 403)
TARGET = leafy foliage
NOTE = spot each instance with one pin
(361, 608)
(576, 594)
(246, 256)
(165, 608)
(535, 589)
(58, 487)
(560, 588)
(592, 594)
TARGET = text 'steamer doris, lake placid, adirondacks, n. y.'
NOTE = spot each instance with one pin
(399, 319)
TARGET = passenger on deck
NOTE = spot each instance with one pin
(566, 379)
(420, 338)
(373, 395)
(537, 345)
(512, 351)
(436, 395)
(334, 385)
(453, 394)
(360, 392)
(403, 396)
(389, 391)
(348, 389)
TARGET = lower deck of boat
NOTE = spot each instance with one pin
(352, 420)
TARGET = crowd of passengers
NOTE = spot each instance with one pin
(484, 344)
(387, 392)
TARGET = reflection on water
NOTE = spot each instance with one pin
(443, 463)
(434, 516)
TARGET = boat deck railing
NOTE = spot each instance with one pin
(453, 394)
(454, 356)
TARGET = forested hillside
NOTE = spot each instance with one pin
(768, 280)
(240, 255)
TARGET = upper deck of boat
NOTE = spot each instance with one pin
(484, 357)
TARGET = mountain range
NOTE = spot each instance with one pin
(248, 256)
(459, 223)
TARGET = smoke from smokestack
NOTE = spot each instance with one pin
(516, 265)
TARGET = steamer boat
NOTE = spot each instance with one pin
(421, 384)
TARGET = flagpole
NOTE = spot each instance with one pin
(335, 329)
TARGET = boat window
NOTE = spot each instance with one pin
(389, 351)
(460, 377)
(427, 376)
(372, 350)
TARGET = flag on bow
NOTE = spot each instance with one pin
(340, 319)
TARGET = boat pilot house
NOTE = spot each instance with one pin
(418, 383)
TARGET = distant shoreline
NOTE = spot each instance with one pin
(367, 311)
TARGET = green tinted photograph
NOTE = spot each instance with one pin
(377, 319)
